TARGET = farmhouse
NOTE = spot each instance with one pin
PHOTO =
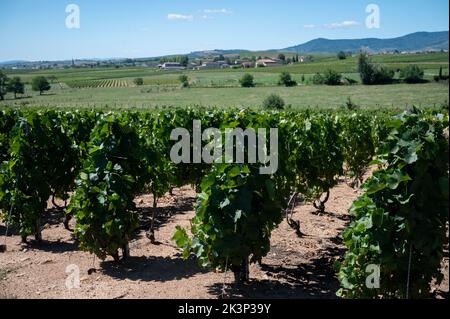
(214, 65)
(247, 65)
(268, 63)
(171, 66)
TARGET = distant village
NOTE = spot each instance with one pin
(167, 63)
(184, 62)
(237, 63)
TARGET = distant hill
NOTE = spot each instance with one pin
(200, 54)
(13, 62)
(418, 41)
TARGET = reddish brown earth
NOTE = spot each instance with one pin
(295, 267)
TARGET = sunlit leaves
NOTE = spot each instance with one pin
(404, 210)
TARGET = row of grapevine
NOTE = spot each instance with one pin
(238, 208)
(401, 220)
(111, 83)
(312, 173)
(107, 159)
(41, 161)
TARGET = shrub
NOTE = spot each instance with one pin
(286, 80)
(412, 74)
(350, 105)
(341, 55)
(318, 79)
(332, 77)
(184, 80)
(383, 75)
(274, 101)
(247, 81)
(372, 74)
(139, 81)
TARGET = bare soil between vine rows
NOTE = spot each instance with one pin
(295, 267)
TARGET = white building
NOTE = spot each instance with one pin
(171, 66)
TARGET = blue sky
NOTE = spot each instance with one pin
(36, 29)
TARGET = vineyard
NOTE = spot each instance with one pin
(111, 83)
(99, 162)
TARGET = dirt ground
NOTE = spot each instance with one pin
(295, 267)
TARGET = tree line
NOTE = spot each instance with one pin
(16, 86)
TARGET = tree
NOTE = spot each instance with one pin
(138, 81)
(183, 60)
(219, 58)
(332, 77)
(16, 86)
(184, 80)
(273, 101)
(247, 81)
(372, 74)
(282, 57)
(440, 76)
(286, 80)
(341, 55)
(412, 74)
(40, 84)
(318, 79)
(3, 85)
(365, 69)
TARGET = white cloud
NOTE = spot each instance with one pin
(344, 24)
(224, 11)
(176, 16)
(207, 17)
(309, 26)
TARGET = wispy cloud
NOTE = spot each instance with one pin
(212, 11)
(205, 14)
(177, 16)
(310, 26)
(343, 24)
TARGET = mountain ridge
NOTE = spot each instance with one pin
(418, 41)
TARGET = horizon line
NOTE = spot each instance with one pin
(205, 50)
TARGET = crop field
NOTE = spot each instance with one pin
(316, 96)
(82, 84)
(115, 88)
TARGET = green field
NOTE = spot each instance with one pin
(114, 87)
(398, 95)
